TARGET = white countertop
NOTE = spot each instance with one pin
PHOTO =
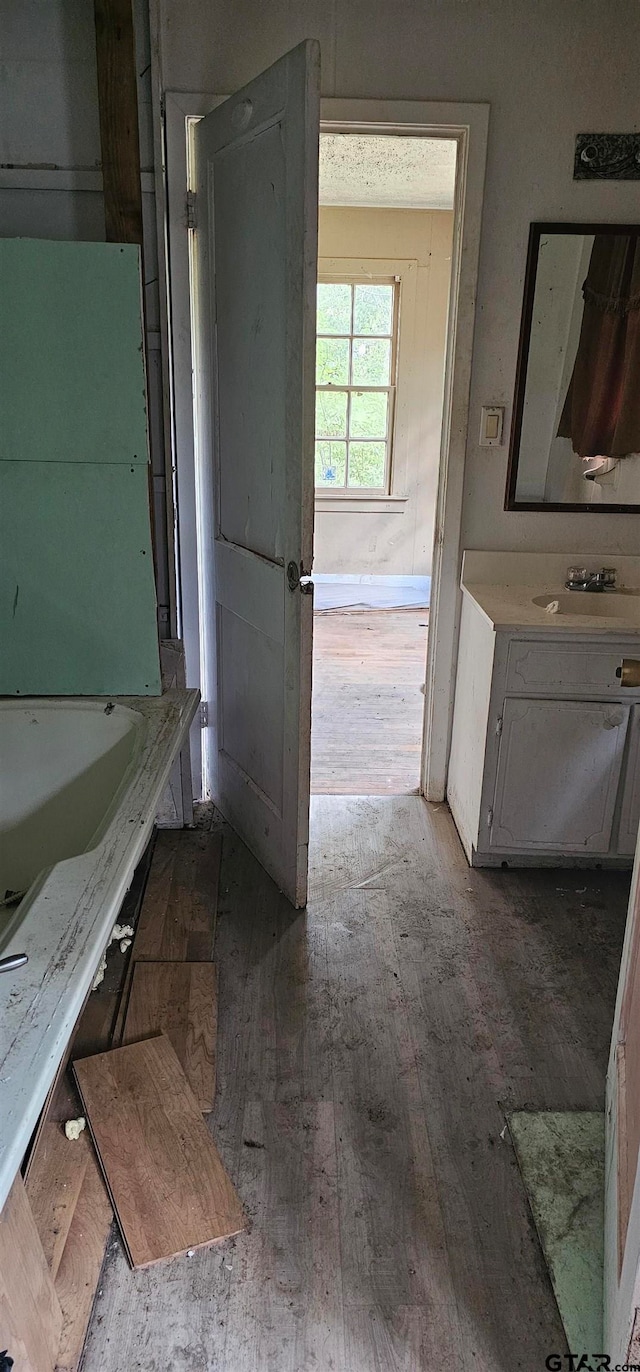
(504, 586)
(513, 608)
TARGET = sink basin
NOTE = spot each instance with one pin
(596, 604)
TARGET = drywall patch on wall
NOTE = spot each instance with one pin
(71, 314)
(77, 598)
(51, 180)
(78, 605)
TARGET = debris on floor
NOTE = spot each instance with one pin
(122, 934)
(73, 1128)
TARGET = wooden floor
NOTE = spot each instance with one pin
(366, 734)
(368, 1050)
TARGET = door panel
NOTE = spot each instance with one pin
(252, 342)
(558, 773)
(255, 279)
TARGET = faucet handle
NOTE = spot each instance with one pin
(576, 575)
(608, 575)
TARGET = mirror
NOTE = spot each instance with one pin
(575, 436)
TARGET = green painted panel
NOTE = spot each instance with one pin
(561, 1158)
(77, 594)
(72, 384)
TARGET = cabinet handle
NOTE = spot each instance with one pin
(628, 673)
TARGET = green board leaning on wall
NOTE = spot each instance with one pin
(77, 601)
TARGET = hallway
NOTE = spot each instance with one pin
(368, 708)
(368, 1049)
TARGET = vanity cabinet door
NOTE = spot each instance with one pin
(630, 807)
(558, 774)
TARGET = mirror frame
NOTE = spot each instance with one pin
(536, 230)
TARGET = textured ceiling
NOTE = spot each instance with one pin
(398, 172)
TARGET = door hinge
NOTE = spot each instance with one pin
(204, 714)
(499, 727)
(191, 210)
(490, 818)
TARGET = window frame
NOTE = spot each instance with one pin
(354, 279)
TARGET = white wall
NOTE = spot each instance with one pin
(49, 121)
(377, 537)
(548, 70)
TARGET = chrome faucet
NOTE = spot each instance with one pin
(579, 579)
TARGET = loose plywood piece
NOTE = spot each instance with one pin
(53, 1186)
(71, 359)
(167, 1183)
(179, 999)
(30, 1315)
(78, 608)
(81, 1263)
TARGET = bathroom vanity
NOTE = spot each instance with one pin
(545, 754)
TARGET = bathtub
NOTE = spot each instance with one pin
(80, 784)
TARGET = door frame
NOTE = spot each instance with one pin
(621, 1284)
(467, 125)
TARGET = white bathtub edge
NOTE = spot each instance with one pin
(82, 896)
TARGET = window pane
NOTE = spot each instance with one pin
(367, 465)
(334, 308)
(331, 464)
(368, 414)
(331, 414)
(332, 365)
(373, 310)
(371, 364)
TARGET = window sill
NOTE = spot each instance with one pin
(352, 503)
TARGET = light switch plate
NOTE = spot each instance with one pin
(491, 426)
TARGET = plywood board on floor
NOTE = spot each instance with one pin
(179, 999)
(177, 919)
(561, 1158)
(82, 1258)
(367, 709)
(166, 1179)
(30, 1315)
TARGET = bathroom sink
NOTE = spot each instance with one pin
(596, 604)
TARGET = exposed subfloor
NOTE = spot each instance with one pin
(368, 1050)
(366, 735)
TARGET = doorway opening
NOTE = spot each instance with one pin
(190, 245)
(385, 239)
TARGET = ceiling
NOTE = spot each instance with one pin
(388, 171)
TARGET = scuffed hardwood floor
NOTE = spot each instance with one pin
(368, 1049)
(367, 714)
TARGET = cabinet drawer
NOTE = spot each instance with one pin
(566, 668)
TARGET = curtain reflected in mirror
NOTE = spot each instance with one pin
(575, 439)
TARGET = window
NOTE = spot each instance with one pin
(355, 371)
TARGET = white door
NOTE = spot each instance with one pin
(255, 284)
